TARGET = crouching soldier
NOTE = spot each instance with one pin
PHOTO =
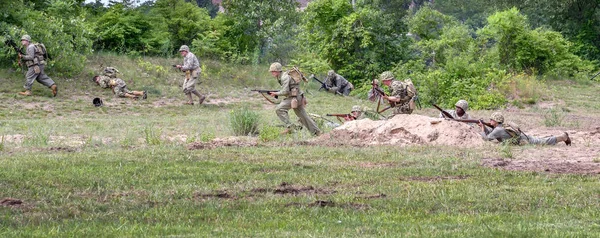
(460, 111)
(512, 133)
(337, 84)
(34, 59)
(402, 95)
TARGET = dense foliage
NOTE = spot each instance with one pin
(451, 49)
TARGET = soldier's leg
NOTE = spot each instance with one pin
(306, 120)
(43, 78)
(200, 96)
(345, 90)
(282, 111)
(190, 99)
(187, 90)
(29, 78)
(551, 140)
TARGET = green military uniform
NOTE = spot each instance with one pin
(34, 59)
(289, 87)
(512, 132)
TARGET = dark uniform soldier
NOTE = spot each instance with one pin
(337, 84)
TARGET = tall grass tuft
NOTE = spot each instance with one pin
(244, 122)
(554, 117)
(152, 135)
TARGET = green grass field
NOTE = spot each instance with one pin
(124, 169)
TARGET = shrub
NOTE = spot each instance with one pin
(244, 122)
(268, 133)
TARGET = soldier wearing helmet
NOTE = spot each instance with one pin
(506, 131)
(109, 79)
(191, 67)
(335, 83)
(294, 99)
(35, 67)
(460, 111)
(402, 93)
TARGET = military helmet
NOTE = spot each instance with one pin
(97, 102)
(275, 67)
(330, 73)
(497, 116)
(376, 81)
(387, 75)
(111, 72)
(26, 37)
(356, 108)
(462, 104)
(184, 48)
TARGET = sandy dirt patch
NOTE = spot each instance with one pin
(405, 130)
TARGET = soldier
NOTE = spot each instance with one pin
(294, 99)
(511, 132)
(337, 84)
(460, 112)
(402, 93)
(35, 67)
(191, 67)
(118, 86)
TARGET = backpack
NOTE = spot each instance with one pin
(41, 50)
(410, 88)
(514, 131)
(297, 75)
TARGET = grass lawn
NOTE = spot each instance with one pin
(124, 170)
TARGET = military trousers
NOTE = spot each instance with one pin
(550, 140)
(282, 112)
(36, 72)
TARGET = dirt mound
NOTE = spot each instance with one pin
(405, 130)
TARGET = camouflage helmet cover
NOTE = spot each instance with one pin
(497, 116)
(110, 72)
(184, 48)
(463, 104)
(275, 67)
(387, 75)
(26, 37)
(356, 108)
(330, 73)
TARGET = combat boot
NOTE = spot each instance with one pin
(564, 138)
(54, 89)
(25, 93)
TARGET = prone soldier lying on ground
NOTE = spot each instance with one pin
(119, 87)
(512, 133)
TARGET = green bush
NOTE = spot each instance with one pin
(269, 133)
(244, 122)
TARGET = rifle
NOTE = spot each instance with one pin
(262, 92)
(445, 113)
(323, 85)
(19, 51)
(342, 115)
(175, 66)
(474, 121)
(380, 93)
(592, 78)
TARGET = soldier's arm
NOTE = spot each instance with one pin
(30, 53)
(285, 86)
(334, 84)
(187, 63)
(497, 134)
